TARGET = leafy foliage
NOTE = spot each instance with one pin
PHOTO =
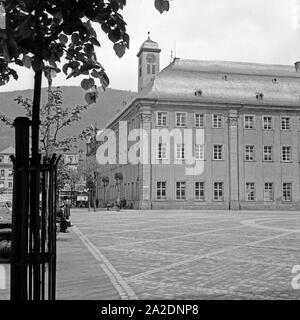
(55, 117)
(40, 32)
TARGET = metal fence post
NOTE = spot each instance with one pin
(20, 211)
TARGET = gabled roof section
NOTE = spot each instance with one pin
(226, 82)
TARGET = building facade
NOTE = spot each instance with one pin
(6, 174)
(228, 137)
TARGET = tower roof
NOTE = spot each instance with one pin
(149, 46)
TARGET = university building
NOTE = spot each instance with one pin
(249, 116)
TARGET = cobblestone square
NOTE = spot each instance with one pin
(178, 255)
(192, 254)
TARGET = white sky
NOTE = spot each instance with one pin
(265, 31)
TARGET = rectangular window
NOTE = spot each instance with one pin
(218, 191)
(161, 118)
(285, 123)
(179, 151)
(153, 69)
(10, 184)
(161, 190)
(286, 191)
(1, 159)
(148, 68)
(199, 120)
(286, 154)
(180, 190)
(268, 153)
(199, 191)
(218, 152)
(249, 122)
(162, 151)
(180, 119)
(199, 151)
(267, 123)
(249, 153)
(217, 121)
(250, 191)
(140, 71)
(269, 192)
(2, 173)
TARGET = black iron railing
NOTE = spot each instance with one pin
(33, 256)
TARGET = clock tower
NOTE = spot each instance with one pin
(148, 62)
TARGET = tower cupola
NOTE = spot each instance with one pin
(148, 62)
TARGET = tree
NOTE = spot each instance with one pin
(91, 169)
(105, 182)
(55, 117)
(40, 32)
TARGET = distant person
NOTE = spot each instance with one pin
(123, 203)
(67, 212)
(118, 204)
(62, 220)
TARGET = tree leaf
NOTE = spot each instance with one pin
(126, 39)
(75, 38)
(87, 84)
(105, 27)
(119, 49)
(27, 61)
(37, 64)
(89, 50)
(114, 35)
(162, 5)
(114, 5)
(90, 97)
(95, 42)
(63, 38)
(14, 74)
(19, 62)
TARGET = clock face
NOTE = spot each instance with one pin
(150, 58)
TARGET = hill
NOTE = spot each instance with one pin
(108, 104)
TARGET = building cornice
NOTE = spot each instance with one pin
(148, 50)
(217, 105)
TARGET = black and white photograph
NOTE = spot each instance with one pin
(149, 151)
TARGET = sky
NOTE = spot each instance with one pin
(263, 31)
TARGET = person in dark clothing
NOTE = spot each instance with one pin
(123, 203)
(62, 219)
(67, 212)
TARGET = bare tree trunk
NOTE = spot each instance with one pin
(36, 115)
(94, 200)
(35, 183)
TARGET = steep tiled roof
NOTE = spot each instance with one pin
(226, 82)
(223, 82)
